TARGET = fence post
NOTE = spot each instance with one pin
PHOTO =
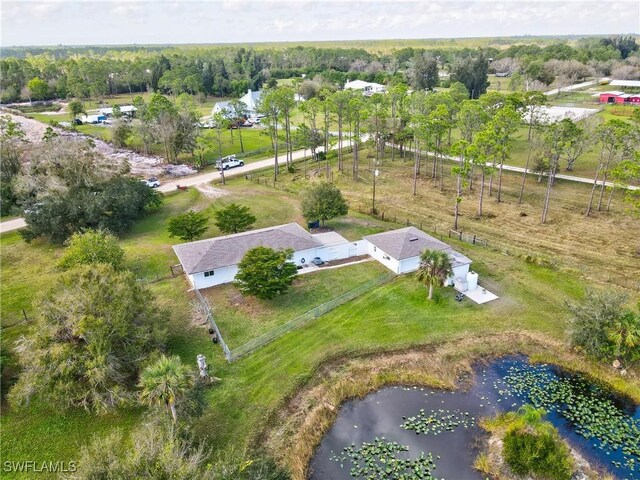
(25, 316)
(460, 235)
(474, 239)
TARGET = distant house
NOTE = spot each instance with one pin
(367, 88)
(619, 98)
(250, 99)
(214, 261)
(128, 110)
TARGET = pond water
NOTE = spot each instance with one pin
(390, 429)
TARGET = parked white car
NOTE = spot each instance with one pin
(152, 182)
(228, 162)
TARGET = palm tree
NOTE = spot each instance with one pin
(625, 335)
(164, 382)
(435, 268)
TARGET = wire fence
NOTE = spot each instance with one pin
(207, 309)
(306, 317)
(468, 237)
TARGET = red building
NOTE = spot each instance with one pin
(620, 98)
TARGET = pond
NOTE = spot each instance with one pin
(401, 429)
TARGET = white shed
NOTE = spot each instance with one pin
(400, 250)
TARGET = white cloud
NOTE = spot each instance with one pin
(204, 21)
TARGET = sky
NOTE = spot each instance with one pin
(96, 22)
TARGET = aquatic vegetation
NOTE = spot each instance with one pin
(589, 408)
(438, 421)
(531, 445)
(378, 459)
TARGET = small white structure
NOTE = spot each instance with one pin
(128, 110)
(625, 83)
(367, 88)
(250, 99)
(547, 115)
(400, 250)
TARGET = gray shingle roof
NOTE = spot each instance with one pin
(212, 253)
(410, 242)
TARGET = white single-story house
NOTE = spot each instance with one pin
(367, 88)
(128, 110)
(214, 261)
(250, 99)
(400, 250)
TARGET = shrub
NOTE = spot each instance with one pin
(265, 272)
(92, 247)
(532, 446)
(93, 332)
(539, 453)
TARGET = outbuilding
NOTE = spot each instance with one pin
(620, 98)
(126, 110)
(400, 250)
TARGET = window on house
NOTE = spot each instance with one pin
(375, 249)
(209, 273)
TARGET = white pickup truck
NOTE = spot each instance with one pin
(228, 162)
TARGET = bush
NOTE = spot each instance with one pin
(604, 328)
(532, 446)
(539, 453)
(323, 201)
(264, 272)
(90, 248)
(92, 335)
(114, 205)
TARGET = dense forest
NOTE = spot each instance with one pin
(38, 73)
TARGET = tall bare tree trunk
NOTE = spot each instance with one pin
(610, 197)
(524, 174)
(547, 196)
(499, 199)
(593, 189)
(416, 168)
(604, 181)
(456, 211)
(481, 192)
(276, 168)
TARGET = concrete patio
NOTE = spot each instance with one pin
(480, 295)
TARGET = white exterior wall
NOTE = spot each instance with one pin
(334, 252)
(361, 247)
(386, 260)
(409, 264)
(220, 276)
(459, 272)
(308, 255)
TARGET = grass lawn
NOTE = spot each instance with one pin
(243, 318)
(394, 316)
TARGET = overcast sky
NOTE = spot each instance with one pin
(90, 22)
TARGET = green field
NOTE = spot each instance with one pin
(391, 317)
(244, 318)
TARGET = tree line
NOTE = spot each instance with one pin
(229, 71)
